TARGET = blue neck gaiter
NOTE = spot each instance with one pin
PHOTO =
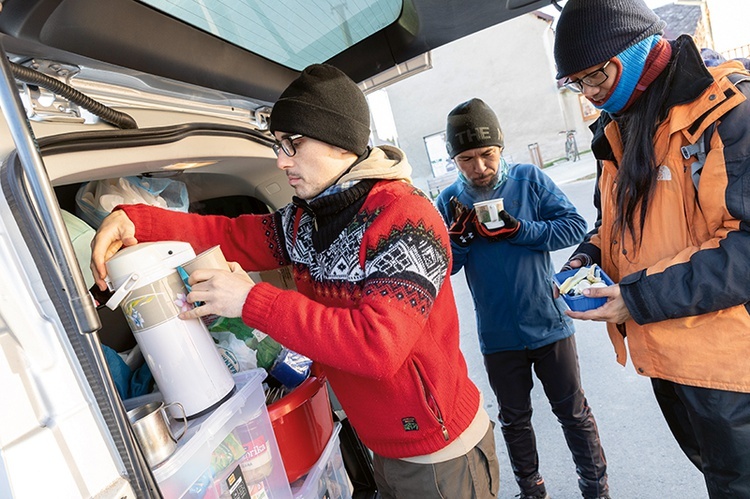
(502, 174)
(633, 60)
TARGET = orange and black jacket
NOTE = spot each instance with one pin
(687, 285)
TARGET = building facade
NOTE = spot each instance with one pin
(511, 68)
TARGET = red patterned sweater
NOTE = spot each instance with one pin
(375, 308)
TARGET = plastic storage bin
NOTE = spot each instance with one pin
(581, 303)
(327, 478)
(231, 449)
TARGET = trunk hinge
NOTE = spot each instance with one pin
(42, 104)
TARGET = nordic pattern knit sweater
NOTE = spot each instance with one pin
(375, 308)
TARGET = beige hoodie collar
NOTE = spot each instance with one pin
(384, 163)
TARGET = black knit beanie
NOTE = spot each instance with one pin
(324, 104)
(590, 32)
(470, 125)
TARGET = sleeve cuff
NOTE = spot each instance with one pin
(642, 304)
(259, 304)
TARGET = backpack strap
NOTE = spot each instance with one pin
(700, 151)
(738, 78)
(703, 144)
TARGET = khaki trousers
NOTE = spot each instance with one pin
(475, 475)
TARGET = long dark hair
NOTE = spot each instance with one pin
(637, 172)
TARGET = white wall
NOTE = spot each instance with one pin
(509, 67)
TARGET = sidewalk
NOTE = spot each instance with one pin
(570, 171)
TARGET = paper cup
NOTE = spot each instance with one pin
(212, 258)
(488, 212)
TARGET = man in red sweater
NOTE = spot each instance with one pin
(373, 307)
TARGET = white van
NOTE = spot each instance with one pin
(105, 89)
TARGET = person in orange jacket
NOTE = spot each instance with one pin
(673, 145)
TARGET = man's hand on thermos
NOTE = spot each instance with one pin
(115, 232)
(219, 292)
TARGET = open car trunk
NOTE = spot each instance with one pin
(66, 414)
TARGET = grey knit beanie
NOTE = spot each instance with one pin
(590, 32)
(325, 104)
(472, 124)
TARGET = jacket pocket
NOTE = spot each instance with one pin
(556, 302)
(428, 394)
(486, 448)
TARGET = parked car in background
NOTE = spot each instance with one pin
(106, 89)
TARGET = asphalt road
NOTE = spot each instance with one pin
(644, 461)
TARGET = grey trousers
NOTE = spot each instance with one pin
(475, 475)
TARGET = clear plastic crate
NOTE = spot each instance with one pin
(328, 478)
(227, 450)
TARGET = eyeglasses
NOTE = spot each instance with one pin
(286, 144)
(593, 79)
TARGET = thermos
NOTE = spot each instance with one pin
(181, 354)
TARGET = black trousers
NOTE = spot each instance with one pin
(556, 366)
(712, 428)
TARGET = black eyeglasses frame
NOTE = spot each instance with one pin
(577, 84)
(286, 145)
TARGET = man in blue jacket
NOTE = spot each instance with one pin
(520, 319)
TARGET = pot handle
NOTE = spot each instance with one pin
(184, 420)
(119, 295)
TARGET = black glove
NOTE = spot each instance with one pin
(508, 230)
(583, 258)
(463, 229)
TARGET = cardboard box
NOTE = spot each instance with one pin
(281, 278)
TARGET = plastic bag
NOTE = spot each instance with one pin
(235, 353)
(96, 199)
(266, 348)
(81, 235)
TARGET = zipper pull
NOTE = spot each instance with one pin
(446, 436)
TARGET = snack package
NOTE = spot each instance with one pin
(266, 348)
(228, 451)
(585, 277)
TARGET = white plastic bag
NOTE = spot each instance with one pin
(235, 353)
(96, 199)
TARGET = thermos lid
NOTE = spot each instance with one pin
(151, 262)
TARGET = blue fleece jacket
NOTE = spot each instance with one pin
(511, 280)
